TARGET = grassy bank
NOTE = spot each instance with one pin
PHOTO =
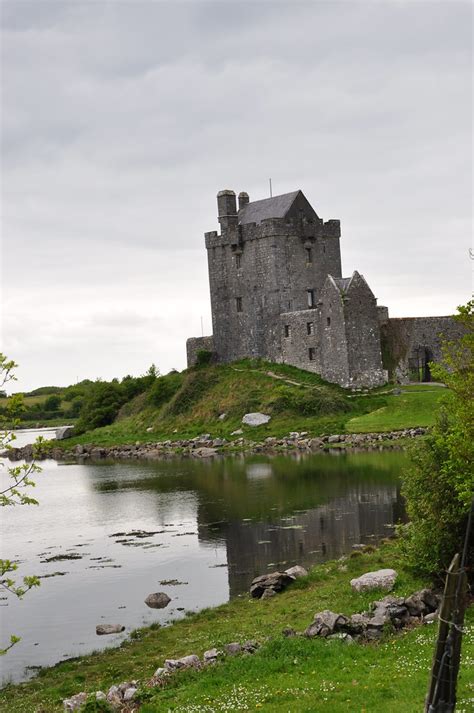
(187, 404)
(286, 674)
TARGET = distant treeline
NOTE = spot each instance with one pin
(90, 403)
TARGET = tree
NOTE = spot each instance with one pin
(439, 484)
(14, 488)
(52, 403)
(101, 405)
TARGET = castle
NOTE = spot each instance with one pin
(277, 292)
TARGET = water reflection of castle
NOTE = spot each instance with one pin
(365, 514)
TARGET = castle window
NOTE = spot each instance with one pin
(289, 305)
(238, 304)
(309, 256)
(287, 330)
(324, 248)
(328, 321)
(310, 327)
(238, 261)
(311, 353)
(310, 294)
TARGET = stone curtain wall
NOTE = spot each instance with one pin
(197, 344)
(403, 339)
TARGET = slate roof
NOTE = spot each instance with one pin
(342, 283)
(276, 207)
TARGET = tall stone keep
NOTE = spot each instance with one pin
(277, 292)
(271, 256)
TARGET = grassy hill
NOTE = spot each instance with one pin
(213, 399)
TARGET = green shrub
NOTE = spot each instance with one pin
(439, 484)
(203, 357)
(164, 388)
(195, 385)
(310, 402)
(101, 405)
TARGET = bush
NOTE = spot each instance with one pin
(203, 357)
(439, 484)
(195, 385)
(52, 403)
(164, 388)
(101, 405)
(310, 402)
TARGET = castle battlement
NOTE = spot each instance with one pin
(277, 292)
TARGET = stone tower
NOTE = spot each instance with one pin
(271, 256)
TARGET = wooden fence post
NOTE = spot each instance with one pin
(441, 696)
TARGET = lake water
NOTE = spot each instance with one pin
(215, 525)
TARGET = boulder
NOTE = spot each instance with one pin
(233, 648)
(277, 581)
(255, 419)
(238, 432)
(380, 579)
(64, 432)
(250, 647)
(129, 694)
(157, 600)
(104, 629)
(334, 439)
(204, 452)
(341, 636)
(268, 594)
(415, 605)
(100, 696)
(296, 571)
(325, 623)
(190, 661)
(75, 702)
(211, 656)
(222, 416)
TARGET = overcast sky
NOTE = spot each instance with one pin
(122, 120)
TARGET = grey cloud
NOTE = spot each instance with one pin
(122, 120)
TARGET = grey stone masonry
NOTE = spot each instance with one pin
(196, 344)
(277, 292)
(409, 344)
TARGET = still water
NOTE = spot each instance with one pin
(210, 526)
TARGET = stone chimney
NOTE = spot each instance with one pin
(226, 209)
(243, 199)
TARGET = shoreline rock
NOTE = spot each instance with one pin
(207, 447)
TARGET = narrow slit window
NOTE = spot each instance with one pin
(311, 353)
(310, 294)
(287, 330)
(310, 327)
(309, 256)
(238, 261)
(238, 304)
(328, 321)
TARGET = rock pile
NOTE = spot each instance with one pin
(394, 612)
(116, 696)
(204, 446)
(125, 693)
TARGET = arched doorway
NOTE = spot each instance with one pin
(419, 364)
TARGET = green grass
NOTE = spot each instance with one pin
(415, 406)
(192, 402)
(285, 674)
